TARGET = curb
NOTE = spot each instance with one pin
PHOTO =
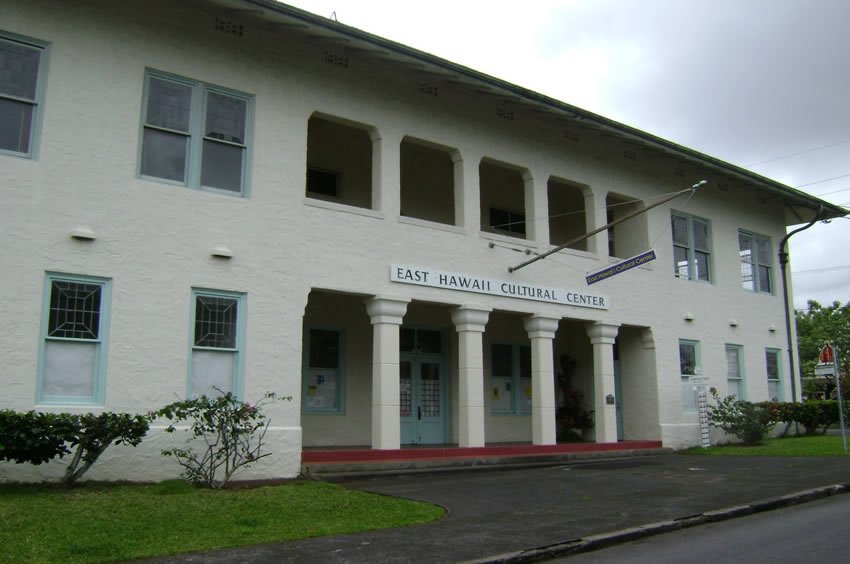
(603, 540)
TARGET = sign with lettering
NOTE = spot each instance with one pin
(621, 267)
(507, 289)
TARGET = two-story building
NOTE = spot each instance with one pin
(238, 195)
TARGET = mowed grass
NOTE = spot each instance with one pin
(820, 445)
(98, 522)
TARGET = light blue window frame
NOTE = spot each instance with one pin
(307, 395)
(774, 379)
(37, 102)
(688, 368)
(238, 351)
(755, 261)
(688, 267)
(97, 397)
(735, 381)
(519, 404)
(195, 134)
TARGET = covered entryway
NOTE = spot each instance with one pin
(422, 386)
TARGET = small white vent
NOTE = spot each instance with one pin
(504, 114)
(228, 26)
(428, 89)
(336, 60)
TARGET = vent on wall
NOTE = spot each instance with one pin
(336, 60)
(428, 89)
(228, 26)
(504, 114)
(631, 155)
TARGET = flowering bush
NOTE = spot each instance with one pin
(748, 421)
(231, 431)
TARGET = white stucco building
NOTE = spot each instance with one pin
(238, 194)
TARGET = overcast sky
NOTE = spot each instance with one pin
(764, 84)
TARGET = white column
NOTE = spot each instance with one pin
(386, 172)
(470, 323)
(602, 336)
(596, 215)
(467, 190)
(536, 207)
(386, 315)
(541, 332)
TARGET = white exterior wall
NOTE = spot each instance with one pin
(154, 239)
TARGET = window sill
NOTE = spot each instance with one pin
(345, 208)
(508, 239)
(431, 225)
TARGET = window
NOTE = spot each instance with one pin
(217, 343)
(323, 372)
(734, 372)
(21, 93)
(510, 379)
(194, 134)
(691, 247)
(774, 375)
(508, 222)
(322, 183)
(755, 256)
(72, 366)
(688, 366)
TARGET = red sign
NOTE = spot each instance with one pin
(826, 356)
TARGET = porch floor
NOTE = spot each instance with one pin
(358, 461)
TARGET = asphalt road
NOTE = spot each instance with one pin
(812, 532)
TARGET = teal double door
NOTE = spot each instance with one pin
(422, 387)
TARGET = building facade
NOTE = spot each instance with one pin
(237, 195)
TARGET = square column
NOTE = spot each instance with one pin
(386, 315)
(602, 337)
(541, 332)
(596, 215)
(470, 323)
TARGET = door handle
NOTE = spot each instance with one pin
(419, 412)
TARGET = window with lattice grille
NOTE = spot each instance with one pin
(218, 321)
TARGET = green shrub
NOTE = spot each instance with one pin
(230, 431)
(35, 438)
(748, 421)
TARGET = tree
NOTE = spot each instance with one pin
(816, 326)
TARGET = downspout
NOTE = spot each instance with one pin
(783, 264)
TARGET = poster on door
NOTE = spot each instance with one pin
(322, 388)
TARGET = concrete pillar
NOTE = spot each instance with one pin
(386, 172)
(536, 207)
(386, 315)
(596, 215)
(467, 191)
(469, 323)
(602, 336)
(541, 332)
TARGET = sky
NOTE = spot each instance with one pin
(762, 84)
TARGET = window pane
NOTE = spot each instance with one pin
(222, 166)
(763, 247)
(322, 182)
(747, 278)
(680, 262)
(700, 235)
(773, 390)
(212, 373)
(689, 395)
(324, 349)
(429, 341)
(18, 69)
(772, 362)
(732, 364)
(15, 125)
(680, 230)
(215, 322)
(502, 361)
(764, 279)
(429, 389)
(405, 390)
(701, 263)
(74, 310)
(225, 118)
(169, 104)
(164, 155)
(407, 339)
(687, 358)
(69, 368)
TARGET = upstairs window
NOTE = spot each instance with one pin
(194, 134)
(507, 222)
(756, 270)
(21, 78)
(691, 247)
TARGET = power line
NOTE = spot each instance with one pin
(822, 181)
(826, 269)
(789, 155)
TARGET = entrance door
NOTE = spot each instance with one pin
(422, 408)
(618, 395)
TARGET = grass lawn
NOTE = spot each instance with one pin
(97, 522)
(820, 445)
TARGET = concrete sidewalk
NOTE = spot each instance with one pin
(508, 515)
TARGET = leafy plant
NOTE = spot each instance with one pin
(231, 432)
(748, 421)
(35, 437)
